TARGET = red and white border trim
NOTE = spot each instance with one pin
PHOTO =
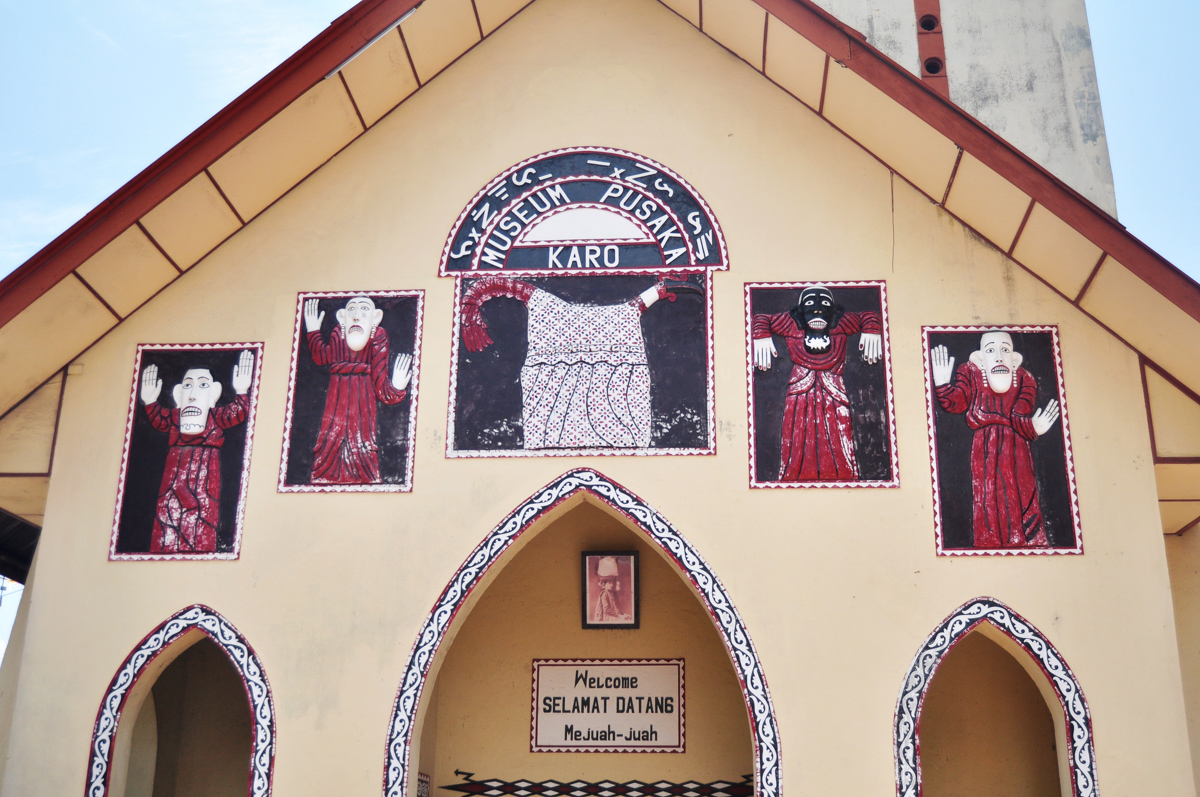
(244, 660)
(931, 418)
(240, 515)
(681, 698)
(1081, 748)
(765, 729)
(500, 179)
(887, 367)
(451, 414)
(297, 338)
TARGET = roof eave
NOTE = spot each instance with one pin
(360, 24)
(849, 47)
(191, 156)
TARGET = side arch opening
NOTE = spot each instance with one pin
(497, 589)
(189, 707)
(985, 671)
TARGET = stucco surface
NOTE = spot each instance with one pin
(890, 25)
(985, 729)
(1024, 68)
(1183, 555)
(837, 587)
(531, 611)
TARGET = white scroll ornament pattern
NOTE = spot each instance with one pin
(244, 660)
(729, 623)
(955, 627)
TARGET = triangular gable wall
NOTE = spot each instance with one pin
(1173, 413)
(305, 112)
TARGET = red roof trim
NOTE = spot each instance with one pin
(848, 47)
(190, 157)
(350, 31)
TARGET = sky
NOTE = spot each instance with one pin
(10, 600)
(98, 90)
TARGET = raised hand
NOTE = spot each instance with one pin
(943, 365)
(402, 372)
(764, 353)
(1043, 419)
(151, 384)
(243, 372)
(312, 319)
(871, 346)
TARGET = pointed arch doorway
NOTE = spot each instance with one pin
(466, 692)
(1048, 673)
(190, 709)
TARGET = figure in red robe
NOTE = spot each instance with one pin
(346, 451)
(189, 497)
(997, 398)
(817, 438)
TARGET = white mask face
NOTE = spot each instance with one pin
(998, 360)
(359, 319)
(195, 396)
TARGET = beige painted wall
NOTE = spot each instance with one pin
(203, 730)
(10, 669)
(985, 729)
(143, 752)
(531, 611)
(1183, 557)
(838, 588)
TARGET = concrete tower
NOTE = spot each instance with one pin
(1022, 67)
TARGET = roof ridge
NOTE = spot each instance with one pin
(250, 110)
(351, 31)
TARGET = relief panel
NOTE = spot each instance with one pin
(182, 489)
(820, 382)
(1003, 475)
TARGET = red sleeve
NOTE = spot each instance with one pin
(318, 348)
(381, 379)
(159, 416)
(232, 413)
(956, 396)
(474, 331)
(1022, 414)
(866, 322)
(765, 325)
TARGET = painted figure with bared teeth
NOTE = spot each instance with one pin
(189, 497)
(817, 436)
(346, 451)
(997, 398)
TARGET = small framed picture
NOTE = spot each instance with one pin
(610, 589)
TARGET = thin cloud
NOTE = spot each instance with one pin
(25, 228)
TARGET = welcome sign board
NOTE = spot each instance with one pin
(607, 706)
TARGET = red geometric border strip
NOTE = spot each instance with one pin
(605, 788)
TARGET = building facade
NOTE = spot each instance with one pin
(618, 398)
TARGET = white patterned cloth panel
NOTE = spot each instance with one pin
(585, 382)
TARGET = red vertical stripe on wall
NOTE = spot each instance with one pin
(930, 47)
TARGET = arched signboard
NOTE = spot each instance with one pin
(591, 209)
(583, 312)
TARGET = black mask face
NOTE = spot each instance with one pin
(817, 314)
